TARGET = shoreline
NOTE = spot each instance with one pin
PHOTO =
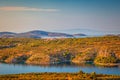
(75, 63)
(107, 64)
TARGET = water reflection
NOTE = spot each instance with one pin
(66, 67)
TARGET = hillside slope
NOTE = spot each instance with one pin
(46, 51)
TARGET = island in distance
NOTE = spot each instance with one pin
(39, 34)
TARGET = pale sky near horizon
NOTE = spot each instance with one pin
(52, 15)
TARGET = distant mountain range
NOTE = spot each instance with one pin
(90, 32)
(38, 34)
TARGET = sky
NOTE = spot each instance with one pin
(60, 15)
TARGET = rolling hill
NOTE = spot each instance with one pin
(37, 34)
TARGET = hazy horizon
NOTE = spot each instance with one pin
(68, 16)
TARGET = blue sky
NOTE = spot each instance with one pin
(58, 15)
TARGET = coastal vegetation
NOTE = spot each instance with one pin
(59, 76)
(100, 50)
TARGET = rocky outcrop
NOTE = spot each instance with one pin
(106, 57)
(16, 59)
(38, 59)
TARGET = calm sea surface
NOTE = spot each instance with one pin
(67, 67)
